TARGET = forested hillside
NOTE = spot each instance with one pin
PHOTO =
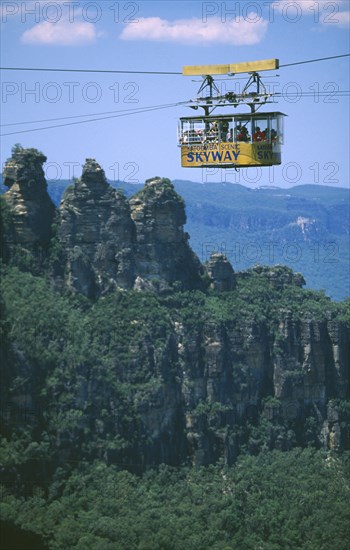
(151, 401)
(97, 395)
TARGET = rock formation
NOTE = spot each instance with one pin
(280, 275)
(221, 272)
(27, 201)
(96, 235)
(108, 242)
(163, 254)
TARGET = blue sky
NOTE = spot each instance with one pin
(164, 36)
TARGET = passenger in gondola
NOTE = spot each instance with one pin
(184, 137)
(229, 136)
(213, 133)
(200, 136)
(223, 130)
(258, 135)
(273, 135)
(238, 130)
(243, 135)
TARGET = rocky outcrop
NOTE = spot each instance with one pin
(107, 242)
(28, 207)
(194, 392)
(163, 255)
(279, 276)
(96, 236)
(220, 272)
(102, 241)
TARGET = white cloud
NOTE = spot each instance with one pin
(62, 33)
(195, 31)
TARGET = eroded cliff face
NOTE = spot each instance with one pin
(163, 254)
(27, 201)
(194, 387)
(96, 236)
(168, 389)
(240, 386)
(110, 242)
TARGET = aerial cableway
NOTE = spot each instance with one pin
(237, 139)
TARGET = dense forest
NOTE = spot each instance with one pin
(275, 501)
(66, 480)
(150, 402)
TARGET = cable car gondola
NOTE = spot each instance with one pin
(231, 140)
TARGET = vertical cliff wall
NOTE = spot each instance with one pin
(27, 204)
(240, 385)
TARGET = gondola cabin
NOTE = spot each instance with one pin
(225, 141)
(234, 140)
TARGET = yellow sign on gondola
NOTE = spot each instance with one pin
(227, 154)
